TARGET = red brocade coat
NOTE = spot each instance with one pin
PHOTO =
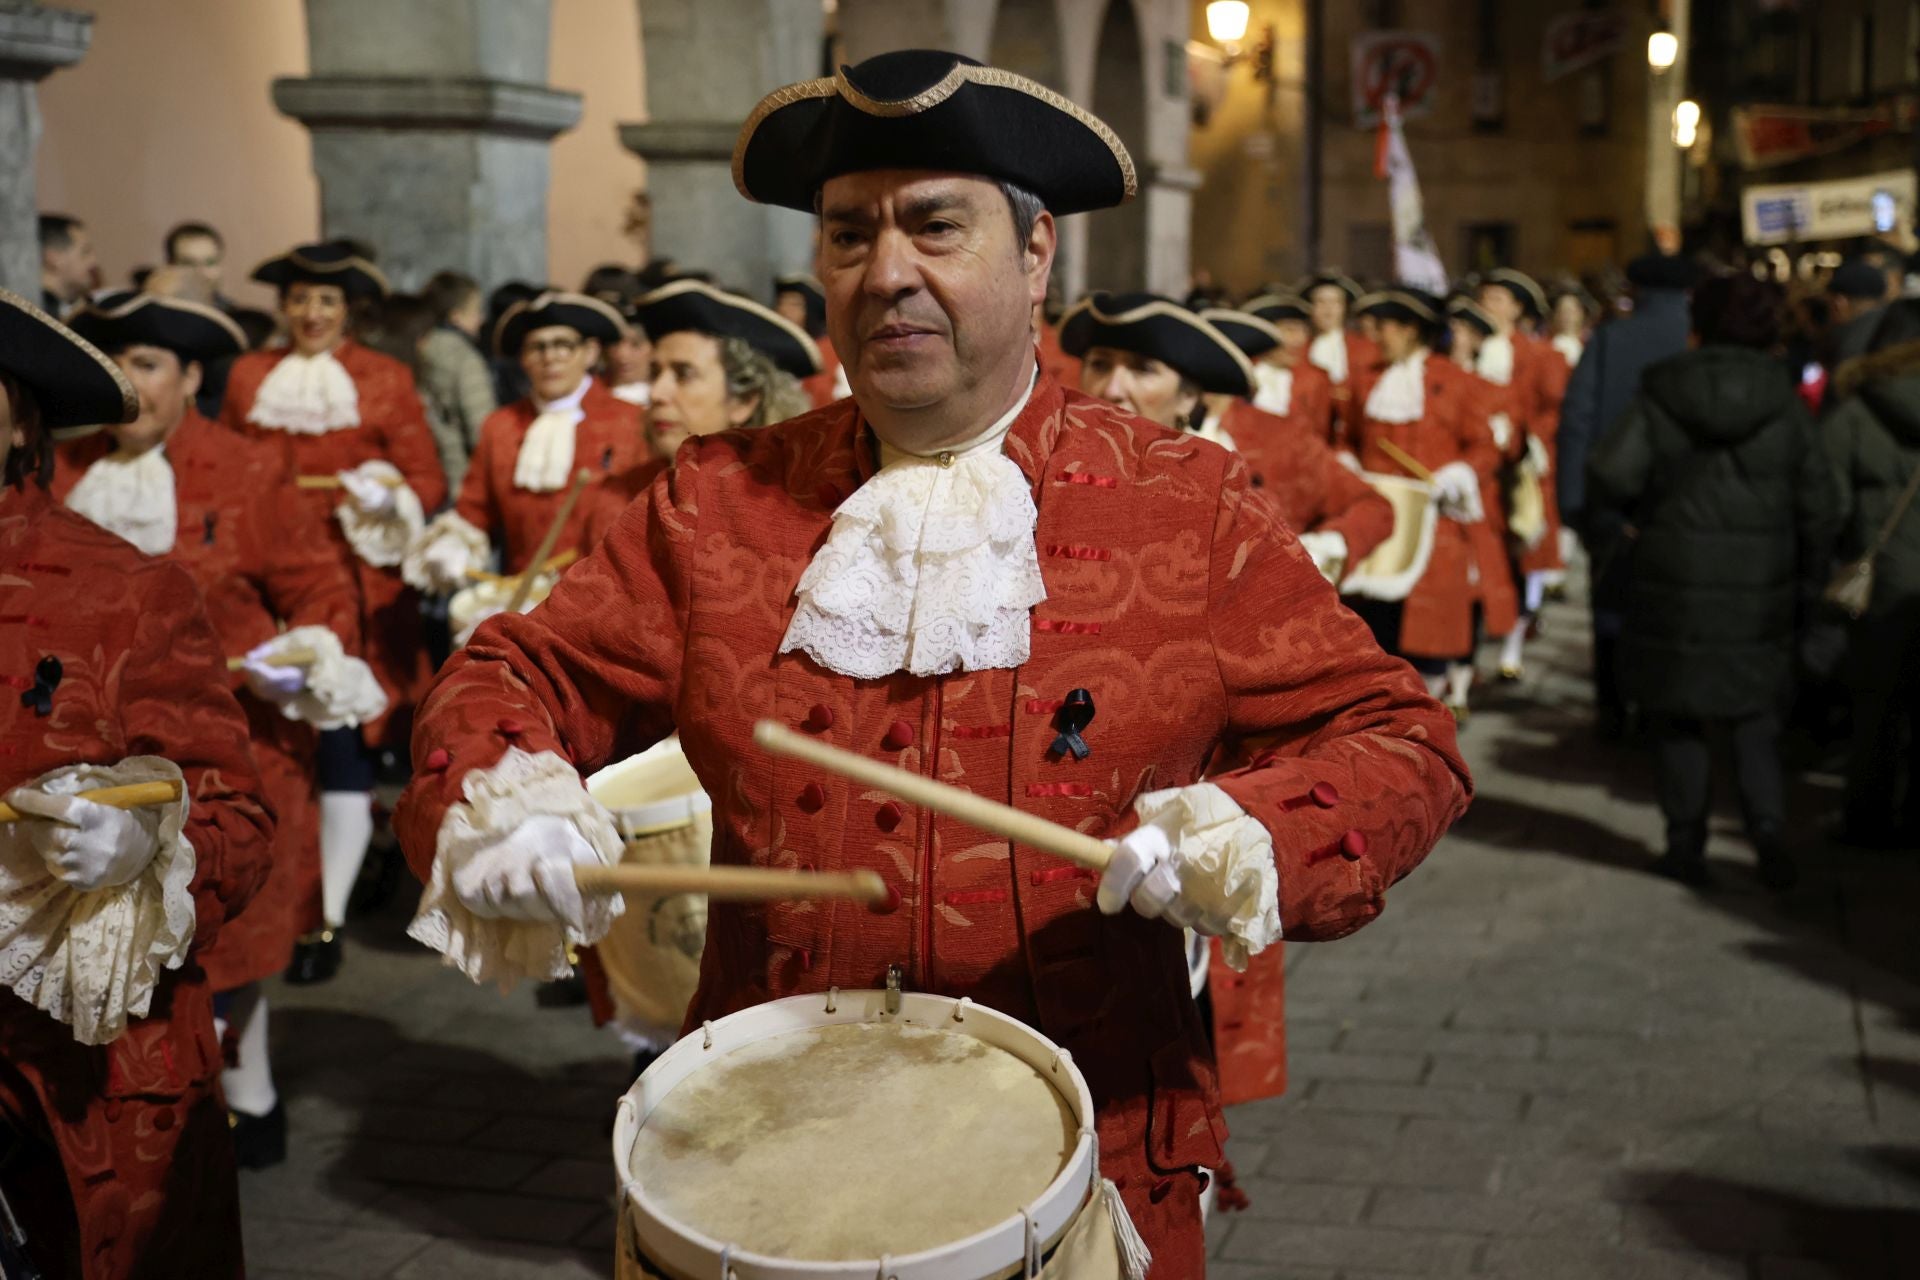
(1546, 384)
(1492, 572)
(1310, 403)
(1174, 595)
(1349, 397)
(138, 1126)
(1305, 479)
(260, 559)
(1437, 621)
(393, 427)
(609, 441)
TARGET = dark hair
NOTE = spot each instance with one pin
(1026, 209)
(1739, 311)
(395, 325)
(187, 231)
(33, 460)
(257, 325)
(614, 285)
(56, 230)
(447, 292)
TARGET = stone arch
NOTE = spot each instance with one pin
(1116, 256)
(1026, 39)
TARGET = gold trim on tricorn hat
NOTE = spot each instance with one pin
(1161, 329)
(75, 387)
(1401, 304)
(584, 314)
(191, 330)
(328, 262)
(1522, 286)
(698, 307)
(1254, 335)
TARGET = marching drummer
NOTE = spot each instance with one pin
(353, 429)
(1286, 383)
(1336, 350)
(1153, 357)
(800, 300)
(115, 1137)
(976, 575)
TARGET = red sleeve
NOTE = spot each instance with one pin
(1555, 373)
(1317, 701)
(243, 383)
(1315, 392)
(1352, 508)
(409, 441)
(591, 674)
(475, 503)
(175, 702)
(307, 578)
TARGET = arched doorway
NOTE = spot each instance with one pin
(1117, 238)
(1026, 39)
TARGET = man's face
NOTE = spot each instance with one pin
(166, 386)
(1398, 338)
(316, 316)
(201, 258)
(1498, 301)
(929, 298)
(73, 271)
(629, 358)
(1295, 336)
(1139, 384)
(556, 358)
(1329, 305)
(1466, 343)
(689, 392)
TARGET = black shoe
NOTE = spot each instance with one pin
(259, 1142)
(316, 958)
(1689, 869)
(1778, 871)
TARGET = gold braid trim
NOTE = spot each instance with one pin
(1148, 310)
(129, 398)
(734, 302)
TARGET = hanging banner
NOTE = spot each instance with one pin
(1876, 204)
(1580, 38)
(1404, 63)
(1416, 259)
(1766, 136)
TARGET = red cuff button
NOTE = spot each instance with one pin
(819, 718)
(899, 736)
(887, 816)
(813, 798)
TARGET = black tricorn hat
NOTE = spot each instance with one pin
(1254, 335)
(1275, 307)
(697, 306)
(1522, 286)
(329, 262)
(1461, 307)
(1413, 306)
(814, 293)
(1663, 271)
(587, 316)
(191, 330)
(1150, 325)
(929, 109)
(74, 386)
(1858, 278)
(1333, 276)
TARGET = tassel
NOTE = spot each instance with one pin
(1227, 1194)
(1135, 1257)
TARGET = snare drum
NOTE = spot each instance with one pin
(1390, 571)
(651, 956)
(825, 1137)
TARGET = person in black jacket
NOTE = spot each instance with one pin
(1730, 513)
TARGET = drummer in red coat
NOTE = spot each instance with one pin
(350, 423)
(223, 508)
(117, 1157)
(1414, 405)
(1285, 382)
(1335, 349)
(799, 300)
(929, 574)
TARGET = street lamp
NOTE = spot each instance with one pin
(1663, 48)
(1227, 21)
(1686, 123)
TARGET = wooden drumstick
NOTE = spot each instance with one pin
(333, 482)
(1413, 465)
(545, 549)
(135, 795)
(735, 884)
(553, 565)
(977, 811)
(295, 657)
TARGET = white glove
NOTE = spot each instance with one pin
(1350, 462)
(1329, 552)
(1537, 456)
(1458, 486)
(367, 488)
(528, 875)
(269, 681)
(1502, 430)
(1146, 870)
(89, 846)
(446, 561)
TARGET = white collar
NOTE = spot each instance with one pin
(1329, 351)
(132, 497)
(568, 403)
(307, 395)
(1494, 360)
(1401, 393)
(545, 461)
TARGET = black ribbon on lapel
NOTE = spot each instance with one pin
(207, 523)
(46, 678)
(1075, 714)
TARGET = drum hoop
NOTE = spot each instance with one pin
(987, 1252)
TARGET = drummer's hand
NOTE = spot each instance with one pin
(1145, 870)
(367, 487)
(269, 681)
(446, 561)
(1328, 550)
(528, 875)
(1458, 487)
(86, 845)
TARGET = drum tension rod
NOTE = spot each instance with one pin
(895, 976)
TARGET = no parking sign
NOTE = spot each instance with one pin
(1402, 62)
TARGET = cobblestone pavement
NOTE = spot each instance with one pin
(1541, 1062)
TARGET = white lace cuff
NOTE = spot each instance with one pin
(92, 959)
(1329, 551)
(519, 786)
(1226, 863)
(341, 691)
(382, 541)
(429, 562)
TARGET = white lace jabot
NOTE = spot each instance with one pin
(1329, 351)
(928, 569)
(545, 459)
(133, 497)
(307, 395)
(1273, 389)
(1401, 393)
(1495, 360)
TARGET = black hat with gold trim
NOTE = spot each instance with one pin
(1254, 335)
(1411, 306)
(191, 330)
(1330, 276)
(1461, 307)
(929, 109)
(1525, 289)
(696, 306)
(812, 291)
(1275, 307)
(329, 262)
(587, 316)
(75, 388)
(1160, 328)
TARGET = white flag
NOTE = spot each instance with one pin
(1416, 260)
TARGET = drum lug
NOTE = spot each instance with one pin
(895, 976)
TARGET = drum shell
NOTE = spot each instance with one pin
(1392, 569)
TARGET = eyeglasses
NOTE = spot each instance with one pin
(553, 346)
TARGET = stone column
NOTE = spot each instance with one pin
(708, 62)
(431, 122)
(34, 41)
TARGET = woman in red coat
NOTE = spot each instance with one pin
(1336, 349)
(223, 508)
(120, 1162)
(801, 302)
(1285, 382)
(351, 426)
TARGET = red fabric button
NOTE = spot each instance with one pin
(819, 718)
(813, 798)
(1324, 795)
(438, 759)
(887, 816)
(113, 1109)
(1353, 846)
(888, 905)
(163, 1120)
(509, 727)
(899, 736)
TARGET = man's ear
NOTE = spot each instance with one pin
(191, 378)
(1042, 243)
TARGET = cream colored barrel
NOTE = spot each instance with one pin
(1391, 569)
(652, 954)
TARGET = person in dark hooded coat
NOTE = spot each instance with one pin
(1731, 511)
(1873, 439)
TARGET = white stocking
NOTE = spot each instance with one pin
(1510, 647)
(1459, 682)
(248, 1084)
(1536, 590)
(346, 825)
